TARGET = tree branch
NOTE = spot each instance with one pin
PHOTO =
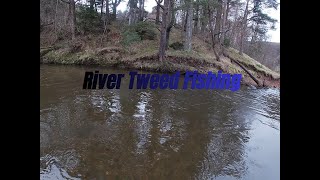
(221, 32)
(158, 3)
(116, 3)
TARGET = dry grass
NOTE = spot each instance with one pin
(251, 63)
(143, 55)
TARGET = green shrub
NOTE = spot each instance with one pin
(145, 30)
(62, 35)
(177, 46)
(88, 20)
(226, 42)
(130, 37)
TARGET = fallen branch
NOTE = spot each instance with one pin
(237, 62)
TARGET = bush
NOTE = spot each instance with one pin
(130, 37)
(226, 42)
(88, 20)
(176, 46)
(75, 47)
(145, 30)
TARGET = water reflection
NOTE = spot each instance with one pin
(162, 134)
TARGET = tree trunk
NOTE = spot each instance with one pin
(69, 14)
(132, 16)
(203, 19)
(212, 33)
(224, 18)
(172, 20)
(73, 19)
(234, 29)
(114, 12)
(115, 4)
(157, 14)
(243, 28)
(101, 12)
(162, 47)
(185, 16)
(211, 24)
(92, 2)
(216, 39)
(105, 22)
(254, 37)
(55, 18)
(141, 10)
(107, 10)
(188, 35)
(133, 6)
(196, 18)
(227, 13)
(142, 13)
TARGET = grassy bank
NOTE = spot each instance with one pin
(110, 51)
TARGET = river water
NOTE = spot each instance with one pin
(155, 134)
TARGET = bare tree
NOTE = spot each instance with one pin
(171, 21)
(244, 27)
(216, 39)
(196, 18)
(133, 7)
(163, 30)
(115, 4)
(224, 19)
(189, 18)
(141, 10)
(73, 19)
(101, 10)
(91, 4)
(158, 11)
(204, 16)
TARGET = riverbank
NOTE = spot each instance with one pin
(142, 55)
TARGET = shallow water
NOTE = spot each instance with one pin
(155, 134)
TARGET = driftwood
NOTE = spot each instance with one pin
(237, 62)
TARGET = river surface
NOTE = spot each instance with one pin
(155, 134)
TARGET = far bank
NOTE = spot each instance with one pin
(116, 57)
(118, 50)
